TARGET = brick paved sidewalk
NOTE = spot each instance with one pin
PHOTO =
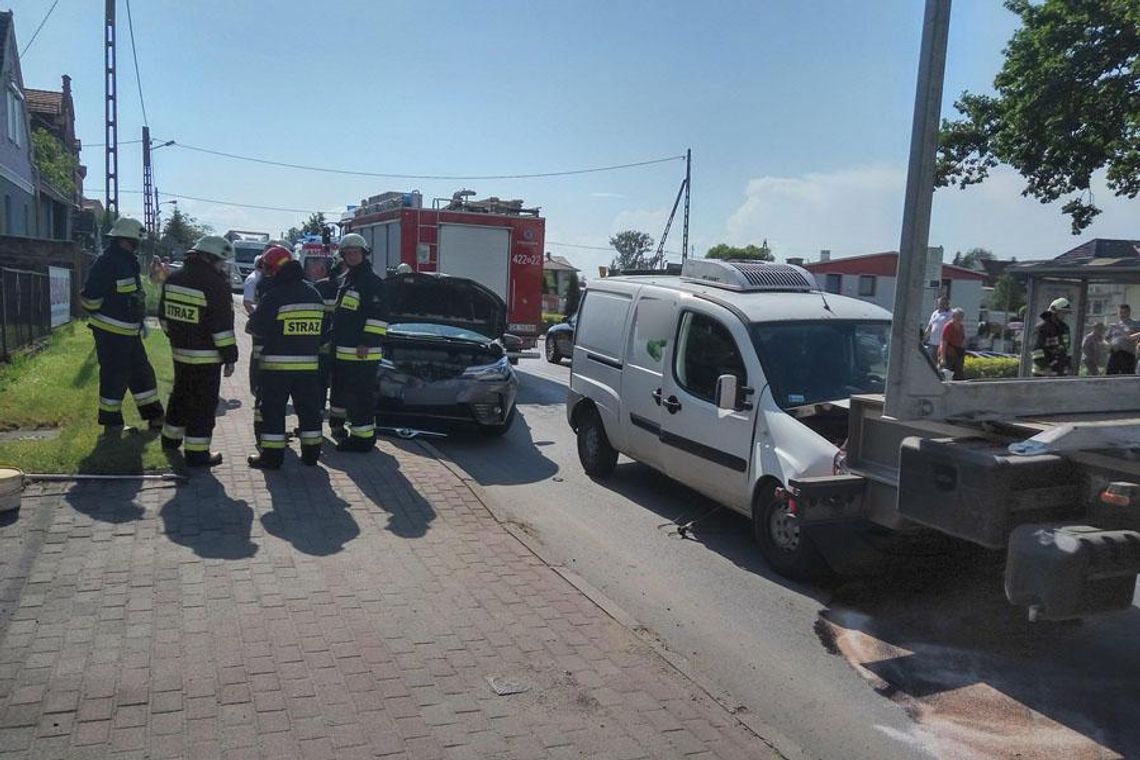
(357, 609)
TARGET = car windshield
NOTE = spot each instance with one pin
(246, 254)
(809, 362)
(428, 329)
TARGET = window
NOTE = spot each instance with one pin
(15, 116)
(833, 283)
(705, 351)
(866, 285)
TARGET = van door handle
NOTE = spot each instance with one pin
(672, 405)
(656, 396)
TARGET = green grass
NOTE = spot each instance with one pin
(59, 388)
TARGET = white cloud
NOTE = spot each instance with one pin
(859, 210)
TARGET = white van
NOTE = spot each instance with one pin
(733, 379)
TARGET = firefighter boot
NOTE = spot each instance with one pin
(203, 458)
(266, 459)
(356, 444)
(171, 444)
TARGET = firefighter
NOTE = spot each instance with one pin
(197, 314)
(357, 334)
(271, 260)
(289, 322)
(116, 302)
(328, 287)
(1051, 348)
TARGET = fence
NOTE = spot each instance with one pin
(25, 309)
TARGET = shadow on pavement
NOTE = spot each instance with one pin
(512, 459)
(306, 511)
(9, 517)
(203, 518)
(536, 389)
(109, 500)
(378, 477)
(225, 405)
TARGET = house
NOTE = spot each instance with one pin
(871, 277)
(557, 275)
(17, 172)
(54, 112)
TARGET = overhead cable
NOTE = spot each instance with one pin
(231, 203)
(134, 55)
(38, 28)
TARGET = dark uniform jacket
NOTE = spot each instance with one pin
(197, 314)
(1051, 347)
(289, 322)
(328, 288)
(113, 293)
(358, 318)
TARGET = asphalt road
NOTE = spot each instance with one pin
(927, 660)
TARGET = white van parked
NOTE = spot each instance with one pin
(733, 379)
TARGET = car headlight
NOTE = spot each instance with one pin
(500, 370)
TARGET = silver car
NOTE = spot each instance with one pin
(444, 356)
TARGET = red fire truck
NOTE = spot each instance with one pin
(497, 243)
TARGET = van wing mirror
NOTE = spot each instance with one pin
(726, 393)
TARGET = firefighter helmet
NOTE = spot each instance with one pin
(353, 240)
(404, 268)
(273, 258)
(1060, 305)
(213, 245)
(126, 227)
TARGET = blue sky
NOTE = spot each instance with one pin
(797, 112)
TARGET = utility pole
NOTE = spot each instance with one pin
(111, 110)
(688, 182)
(149, 209)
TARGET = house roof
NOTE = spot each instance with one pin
(883, 264)
(1099, 258)
(43, 101)
(558, 263)
(5, 25)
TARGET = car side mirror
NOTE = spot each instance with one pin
(726, 393)
(512, 342)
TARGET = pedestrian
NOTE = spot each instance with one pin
(114, 298)
(289, 322)
(1092, 349)
(358, 331)
(197, 314)
(249, 287)
(1051, 355)
(932, 336)
(328, 287)
(1121, 344)
(271, 260)
(952, 350)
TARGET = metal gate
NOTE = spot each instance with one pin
(25, 309)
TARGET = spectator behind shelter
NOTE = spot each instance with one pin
(932, 337)
(952, 350)
(1121, 346)
(249, 287)
(1092, 349)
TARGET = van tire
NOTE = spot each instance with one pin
(786, 548)
(597, 456)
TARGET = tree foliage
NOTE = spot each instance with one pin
(1008, 295)
(973, 258)
(573, 294)
(632, 247)
(54, 162)
(748, 253)
(311, 226)
(1067, 105)
(180, 232)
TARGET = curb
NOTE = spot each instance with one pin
(769, 735)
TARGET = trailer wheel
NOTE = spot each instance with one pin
(787, 548)
(597, 455)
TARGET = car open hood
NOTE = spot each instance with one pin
(443, 300)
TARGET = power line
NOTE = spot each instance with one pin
(429, 176)
(134, 55)
(38, 28)
(596, 247)
(231, 203)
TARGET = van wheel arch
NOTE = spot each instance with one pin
(796, 557)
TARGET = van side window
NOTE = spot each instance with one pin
(705, 351)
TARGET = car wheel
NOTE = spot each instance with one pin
(552, 354)
(597, 455)
(501, 428)
(784, 544)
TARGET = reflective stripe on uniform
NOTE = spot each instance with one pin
(184, 294)
(348, 354)
(301, 311)
(272, 362)
(364, 431)
(111, 325)
(325, 348)
(91, 304)
(350, 300)
(257, 416)
(256, 353)
(309, 437)
(225, 338)
(272, 440)
(126, 285)
(330, 304)
(196, 356)
(146, 397)
(110, 404)
(337, 411)
(173, 431)
(376, 326)
(196, 443)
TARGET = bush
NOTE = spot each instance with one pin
(985, 368)
(549, 319)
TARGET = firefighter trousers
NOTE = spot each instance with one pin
(354, 386)
(327, 397)
(277, 387)
(123, 365)
(190, 412)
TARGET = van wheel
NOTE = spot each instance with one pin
(788, 549)
(597, 456)
(552, 354)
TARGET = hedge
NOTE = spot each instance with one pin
(990, 367)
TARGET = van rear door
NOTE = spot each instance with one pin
(648, 353)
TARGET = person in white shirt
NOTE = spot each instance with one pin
(249, 289)
(932, 337)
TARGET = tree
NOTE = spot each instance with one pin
(631, 247)
(53, 161)
(293, 236)
(1008, 295)
(973, 258)
(315, 224)
(573, 294)
(1067, 106)
(748, 252)
(180, 232)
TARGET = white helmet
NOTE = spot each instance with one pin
(213, 245)
(1060, 305)
(404, 268)
(126, 227)
(353, 240)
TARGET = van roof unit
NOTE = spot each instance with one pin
(754, 276)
